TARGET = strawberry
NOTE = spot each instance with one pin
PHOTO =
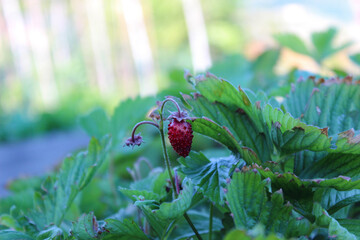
(180, 136)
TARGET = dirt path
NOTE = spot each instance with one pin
(36, 156)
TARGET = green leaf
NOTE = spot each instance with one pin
(257, 233)
(13, 235)
(74, 175)
(10, 222)
(133, 194)
(51, 233)
(163, 219)
(235, 68)
(352, 225)
(293, 42)
(177, 208)
(19, 199)
(323, 44)
(126, 229)
(159, 184)
(290, 135)
(151, 187)
(208, 174)
(247, 198)
(279, 214)
(333, 200)
(343, 160)
(136, 110)
(22, 184)
(201, 223)
(96, 123)
(219, 90)
(334, 165)
(323, 219)
(238, 124)
(160, 226)
(209, 128)
(266, 62)
(237, 235)
(347, 143)
(326, 103)
(355, 58)
(295, 186)
(86, 227)
(329, 104)
(298, 226)
(263, 68)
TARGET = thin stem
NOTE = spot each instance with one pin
(141, 123)
(192, 226)
(177, 182)
(165, 101)
(112, 178)
(166, 156)
(211, 220)
(137, 165)
(168, 166)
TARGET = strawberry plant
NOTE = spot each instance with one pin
(286, 169)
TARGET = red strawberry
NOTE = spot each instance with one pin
(180, 136)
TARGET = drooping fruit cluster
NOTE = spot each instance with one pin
(180, 136)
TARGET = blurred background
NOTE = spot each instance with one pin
(61, 58)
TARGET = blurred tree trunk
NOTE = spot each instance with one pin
(39, 42)
(18, 42)
(59, 25)
(199, 45)
(124, 66)
(140, 46)
(83, 46)
(100, 45)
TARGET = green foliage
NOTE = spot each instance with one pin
(257, 74)
(164, 217)
(293, 42)
(24, 123)
(275, 170)
(289, 141)
(86, 227)
(355, 58)
(209, 174)
(324, 220)
(13, 235)
(75, 174)
(247, 197)
(126, 229)
(322, 44)
(50, 233)
(248, 201)
(97, 124)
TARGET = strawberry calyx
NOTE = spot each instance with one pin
(179, 116)
(135, 140)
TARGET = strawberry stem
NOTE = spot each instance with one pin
(167, 162)
(192, 226)
(171, 100)
(141, 123)
(166, 156)
(211, 220)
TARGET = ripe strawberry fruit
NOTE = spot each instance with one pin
(180, 136)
